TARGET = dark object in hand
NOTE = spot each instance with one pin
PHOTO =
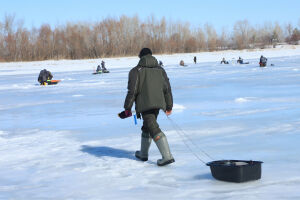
(124, 114)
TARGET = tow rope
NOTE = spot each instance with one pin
(185, 137)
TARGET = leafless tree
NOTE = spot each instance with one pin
(212, 37)
(242, 34)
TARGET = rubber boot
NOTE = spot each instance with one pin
(145, 145)
(163, 146)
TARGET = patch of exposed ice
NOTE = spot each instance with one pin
(178, 108)
(77, 95)
(244, 99)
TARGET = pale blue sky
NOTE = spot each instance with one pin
(198, 12)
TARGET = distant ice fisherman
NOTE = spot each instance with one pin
(224, 61)
(263, 61)
(44, 76)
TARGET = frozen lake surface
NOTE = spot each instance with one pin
(66, 141)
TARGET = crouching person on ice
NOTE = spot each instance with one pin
(44, 76)
(149, 88)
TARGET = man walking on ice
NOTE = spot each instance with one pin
(149, 88)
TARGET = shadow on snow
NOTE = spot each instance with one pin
(108, 151)
(207, 176)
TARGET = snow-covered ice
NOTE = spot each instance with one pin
(66, 141)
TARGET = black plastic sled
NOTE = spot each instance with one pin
(101, 72)
(226, 63)
(237, 171)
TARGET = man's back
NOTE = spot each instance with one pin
(149, 86)
(263, 59)
(44, 76)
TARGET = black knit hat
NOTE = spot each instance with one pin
(145, 51)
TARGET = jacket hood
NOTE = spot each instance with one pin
(148, 61)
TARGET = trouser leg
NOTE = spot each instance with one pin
(150, 124)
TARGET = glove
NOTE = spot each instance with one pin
(168, 112)
(124, 114)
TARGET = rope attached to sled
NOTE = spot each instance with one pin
(185, 137)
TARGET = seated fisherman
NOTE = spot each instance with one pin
(240, 61)
(160, 63)
(98, 69)
(224, 61)
(263, 61)
(44, 76)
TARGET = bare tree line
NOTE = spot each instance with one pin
(125, 36)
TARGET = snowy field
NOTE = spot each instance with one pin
(66, 141)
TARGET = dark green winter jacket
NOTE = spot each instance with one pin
(148, 87)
